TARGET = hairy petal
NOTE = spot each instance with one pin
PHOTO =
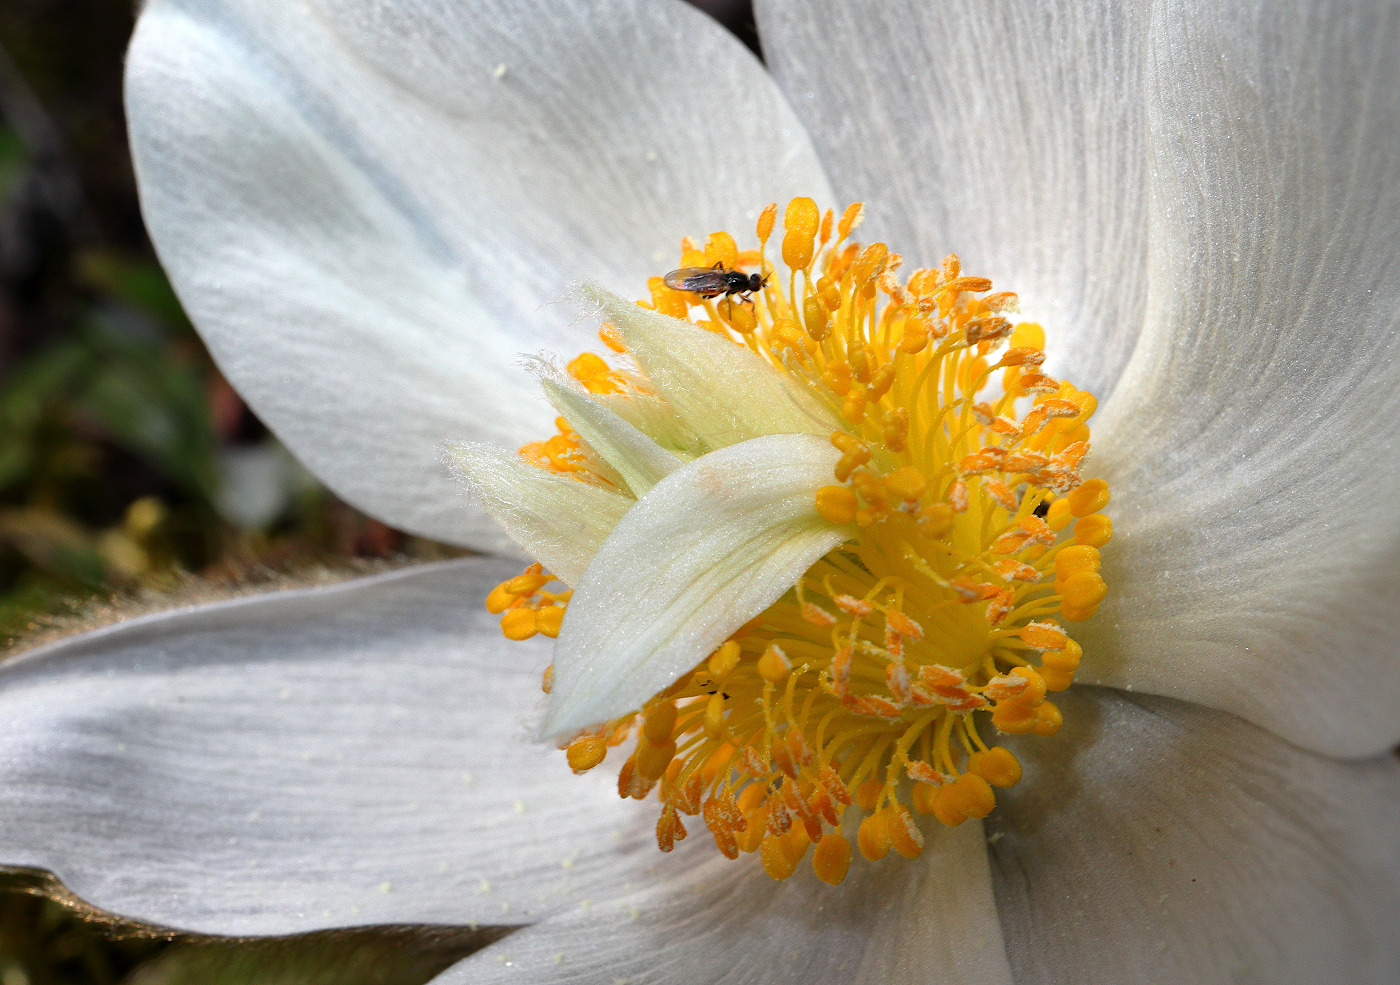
(369, 209)
(558, 521)
(710, 547)
(1250, 447)
(713, 921)
(1009, 132)
(723, 392)
(1156, 841)
(356, 754)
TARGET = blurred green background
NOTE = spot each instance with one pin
(130, 471)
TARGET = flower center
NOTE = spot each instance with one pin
(875, 688)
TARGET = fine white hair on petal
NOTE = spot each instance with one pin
(367, 208)
(324, 757)
(700, 919)
(723, 392)
(555, 519)
(1155, 841)
(1251, 444)
(637, 459)
(1009, 132)
(711, 546)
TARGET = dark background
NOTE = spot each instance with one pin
(131, 472)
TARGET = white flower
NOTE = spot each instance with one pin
(366, 208)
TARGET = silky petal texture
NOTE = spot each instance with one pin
(711, 546)
(640, 462)
(558, 521)
(1009, 132)
(723, 392)
(326, 757)
(1251, 445)
(368, 209)
(1155, 841)
(712, 920)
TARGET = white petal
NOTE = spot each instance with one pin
(1251, 444)
(723, 392)
(358, 754)
(640, 461)
(710, 547)
(1009, 132)
(705, 920)
(367, 209)
(1153, 841)
(558, 521)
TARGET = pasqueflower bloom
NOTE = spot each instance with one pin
(368, 210)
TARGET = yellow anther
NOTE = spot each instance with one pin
(873, 837)
(1075, 558)
(1014, 718)
(748, 839)
(904, 834)
(825, 233)
(1096, 530)
(519, 624)
(653, 758)
(1064, 659)
(1043, 636)
(665, 300)
(774, 665)
(906, 483)
(1059, 516)
(549, 620)
(723, 661)
(765, 221)
(1090, 497)
(776, 855)
(816, 319)
(714, 717)
(1027, 335)
(832, 859)
(500, 599)
(547, 679)
(868, 793)
(924, 797)
(936, 519)
(837, 504)
(1047, 719)
(738, 315)
(1083, 589)
(721, 249)
(850, 219)
(800, 231)
(972, 795)
(586, 752)
(946, 806)
(998, 766)
(659, 721)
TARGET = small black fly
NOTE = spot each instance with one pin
(711, 282)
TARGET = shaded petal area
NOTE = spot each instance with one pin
(323, 757)
(1156, 841)
(713, 921)
(367, 210)
(711, 546)
(1010, 133)
(1251, 445)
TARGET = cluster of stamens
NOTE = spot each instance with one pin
(974, 539)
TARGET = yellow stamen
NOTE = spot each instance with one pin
(867, 690)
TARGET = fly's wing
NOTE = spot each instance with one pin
(705, 281)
